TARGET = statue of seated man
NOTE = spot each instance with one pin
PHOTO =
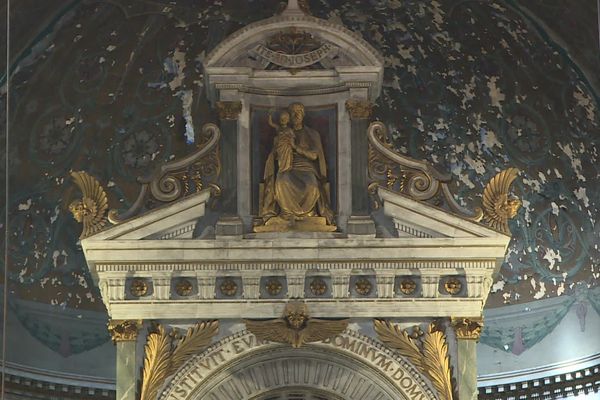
(296, 195)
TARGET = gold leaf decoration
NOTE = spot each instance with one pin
(498, 207)
(436, 361)
(296, 327)
(156, 363)
(166, 352)
(433, 360)
(91, 209)
(392, 336)
(197, 337)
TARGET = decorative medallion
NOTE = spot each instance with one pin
(452, 285)
(296, 327)
(138, 288)
(124, 330)
(92, 208)
(407, 286)
(228, 287)
(273, 286)
(318, 287)
(363, 286)
(165, 353)
(467, 329)
(184, 287)
(229, 110)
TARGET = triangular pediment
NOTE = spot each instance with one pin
(419, 219)
(411, 218)
(174, 221)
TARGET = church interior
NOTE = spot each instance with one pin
(301, 200)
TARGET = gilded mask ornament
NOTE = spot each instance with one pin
(295, 193)
(296, 327)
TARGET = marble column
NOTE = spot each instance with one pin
(229, 112)
(467, 335)
(360, 111)
(229, 224)
(124, 334)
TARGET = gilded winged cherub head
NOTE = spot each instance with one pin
(91, 209)
(83, 209)
(297, 319)
(498, 205)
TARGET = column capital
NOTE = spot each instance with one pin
(124, 330)
(229, 110)
(467, 328)
(359, 108)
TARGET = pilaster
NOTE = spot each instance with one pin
(229, 112)
(360, 111)
(467, 335)
(124, 334)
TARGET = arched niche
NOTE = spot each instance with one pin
(349, 366)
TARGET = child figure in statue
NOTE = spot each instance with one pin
(284, 141)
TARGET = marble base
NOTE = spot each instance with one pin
(361, 225)
(308, 224)
(229, 227)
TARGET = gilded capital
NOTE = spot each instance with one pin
(359, 108)
(467, 329)
(124, 330)
(229, 110)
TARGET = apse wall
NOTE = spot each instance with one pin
(116, 88)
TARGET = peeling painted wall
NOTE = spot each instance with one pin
(116, 88)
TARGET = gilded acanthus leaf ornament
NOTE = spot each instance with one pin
(498, 206)
(91, 209)
(296, 327)
(429, 355)
(165, 353)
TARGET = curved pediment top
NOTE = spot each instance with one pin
(351, 44)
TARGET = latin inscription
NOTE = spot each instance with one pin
(234, 348)
(293, 60)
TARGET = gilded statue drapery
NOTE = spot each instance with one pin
(295, 194)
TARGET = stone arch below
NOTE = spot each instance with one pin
(347, 367)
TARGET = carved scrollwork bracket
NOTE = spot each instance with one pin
(414, 178)
(179, 178)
